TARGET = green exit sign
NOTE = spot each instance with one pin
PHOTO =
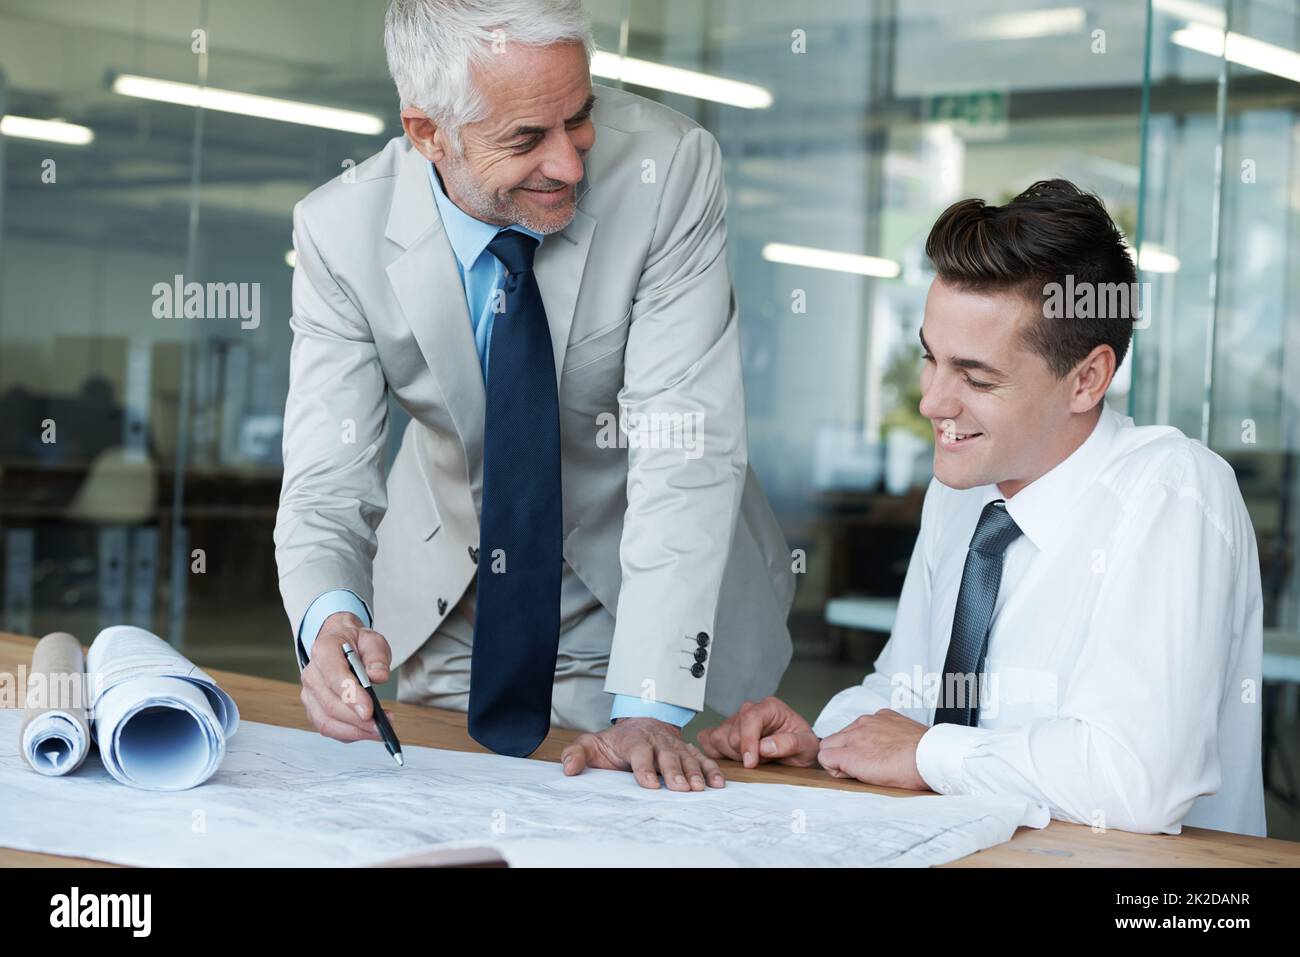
(977, 113)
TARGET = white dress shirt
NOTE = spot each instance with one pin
(1122, 683)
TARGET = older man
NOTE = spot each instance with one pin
(570, 533)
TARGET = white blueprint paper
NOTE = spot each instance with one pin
(55, 743)
(160, 722)
(288, 797)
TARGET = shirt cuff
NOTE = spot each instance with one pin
(630, 706)
(941, 754)
(332, 602)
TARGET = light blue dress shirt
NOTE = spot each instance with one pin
(481, 274)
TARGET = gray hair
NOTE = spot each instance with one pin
(434, 45)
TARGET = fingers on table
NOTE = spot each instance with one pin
(641, 757)
(683, 766)
(574, 758)
(721, 742)
(693, 767)
(713, 776)
(754, 723)
(839, 762)
(669, 760)
(789, 746)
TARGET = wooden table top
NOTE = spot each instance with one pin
(1058, 845)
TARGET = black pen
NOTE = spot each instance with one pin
(381, 720)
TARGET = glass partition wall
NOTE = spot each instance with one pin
(1221, 357)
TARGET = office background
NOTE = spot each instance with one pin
(140, 456)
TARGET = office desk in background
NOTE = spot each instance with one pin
(1057, 845)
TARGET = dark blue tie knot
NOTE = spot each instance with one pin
(514, 249)
(995, 530)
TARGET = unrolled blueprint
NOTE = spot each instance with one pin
(287, 797)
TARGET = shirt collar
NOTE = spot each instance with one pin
(1041, 507)
(468, 236)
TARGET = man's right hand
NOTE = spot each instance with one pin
(768, 730)
(336, 703)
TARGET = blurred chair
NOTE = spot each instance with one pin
(120, 488)
(117, 499)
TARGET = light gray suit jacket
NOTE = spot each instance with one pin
(642, 317)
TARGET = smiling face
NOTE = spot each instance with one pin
(1000, 415)
(522, 163)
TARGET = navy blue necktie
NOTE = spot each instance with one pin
(517, 618)
(959, 695)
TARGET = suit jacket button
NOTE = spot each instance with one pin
(697, 670)
(701, 655)
(702, 639)
(442, 606)
(473, 554)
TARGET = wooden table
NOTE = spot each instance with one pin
(1057, 845)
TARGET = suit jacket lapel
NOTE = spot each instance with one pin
(563, 257)
(427, 284)
(559, 266)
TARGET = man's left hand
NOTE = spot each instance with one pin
(878, 749)
(647, 747)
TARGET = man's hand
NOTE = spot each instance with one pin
(768, 730)
(647, 747)
(877, 748)
(335, 701)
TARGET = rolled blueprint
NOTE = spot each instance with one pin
(55, 733)
(160, 722)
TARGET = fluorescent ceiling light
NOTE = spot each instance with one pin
(1030, 24)
(1154, 259)
(53, 131)
(673, 79)
(1256, 54)
(830, 259)
(247, 104)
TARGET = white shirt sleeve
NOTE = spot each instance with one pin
(901, 662)
(1134, 742)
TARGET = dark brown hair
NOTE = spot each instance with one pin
(1050, 231)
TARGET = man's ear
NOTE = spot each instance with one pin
(1091, 378)
(423, 133)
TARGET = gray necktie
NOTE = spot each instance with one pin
(959, 695)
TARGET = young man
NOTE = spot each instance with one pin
(1081, 620)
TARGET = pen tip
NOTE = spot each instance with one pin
(398, 759)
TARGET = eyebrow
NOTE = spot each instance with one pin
(968, 364)
(582, 114)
